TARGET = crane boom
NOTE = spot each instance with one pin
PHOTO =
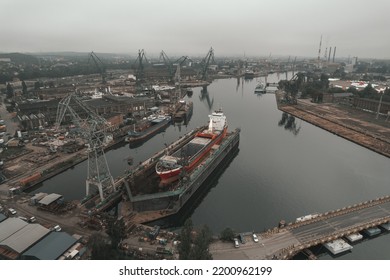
(99, 65)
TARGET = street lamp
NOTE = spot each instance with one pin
(380, 102)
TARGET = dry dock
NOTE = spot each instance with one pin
(352, 124)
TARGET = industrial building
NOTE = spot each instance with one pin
(30, 241)
(16, 236)
(52, 247)
(36, 114)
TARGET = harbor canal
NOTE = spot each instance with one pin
(279, 172)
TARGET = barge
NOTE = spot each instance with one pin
(338, 246)
(354, 237)
(156, 125)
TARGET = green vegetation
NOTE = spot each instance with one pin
(103, 248)
(227, 234)
(194, 245)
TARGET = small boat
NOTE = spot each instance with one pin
(260, 88)
(189, 156)
(155, 125)
(189, 92)
(183, 112)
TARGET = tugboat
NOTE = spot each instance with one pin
(190, 155)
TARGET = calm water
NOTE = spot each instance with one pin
(276, 175)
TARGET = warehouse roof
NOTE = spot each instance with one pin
(10, 226)
(51, 247)
(50, 198)
(25, 237)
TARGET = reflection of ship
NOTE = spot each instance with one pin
(183, 112)
(154, 125)
(190, 154)
(260, 88)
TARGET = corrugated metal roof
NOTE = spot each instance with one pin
(10, 226)
(25, 237)
(51, 247)
(50, 198)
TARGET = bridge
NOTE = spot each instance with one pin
(286, 241)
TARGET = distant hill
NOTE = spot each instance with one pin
(20, 58)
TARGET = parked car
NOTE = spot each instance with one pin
(57, 228)
(255, 238)
(32, 219)
(236, 244)
(12, 211)
(242, 239)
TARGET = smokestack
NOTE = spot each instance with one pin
(334, 53)
(330, 51)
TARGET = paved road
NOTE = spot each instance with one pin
(279, 242)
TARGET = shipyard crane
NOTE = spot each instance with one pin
(205, 64)
(168, 64)
(99, 65)
(139, 64)
(92, 128)
(181, 60)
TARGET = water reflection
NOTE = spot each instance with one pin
(289, 123)
(204, 96)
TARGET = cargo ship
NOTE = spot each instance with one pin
(170, 166)
(152, 198)
(156, 124)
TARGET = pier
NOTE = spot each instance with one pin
(284, 242)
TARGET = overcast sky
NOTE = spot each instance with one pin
(187, 27)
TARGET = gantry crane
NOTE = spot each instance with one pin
(99, 65)
(93, 129)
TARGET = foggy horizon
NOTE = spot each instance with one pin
(233, 28)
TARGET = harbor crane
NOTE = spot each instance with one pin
(182, 59)
(205, 64)
(92, 128)
(99, 65)
(168, 64)
(139, 65)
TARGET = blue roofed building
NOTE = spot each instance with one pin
(52, 247)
